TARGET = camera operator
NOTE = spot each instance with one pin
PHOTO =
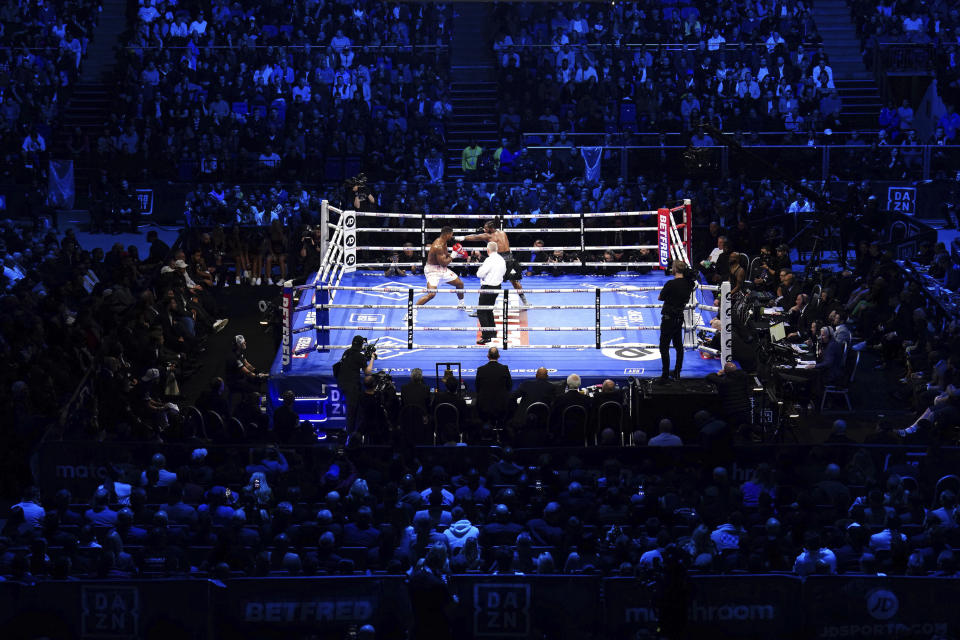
(355, 360)
(363, 200)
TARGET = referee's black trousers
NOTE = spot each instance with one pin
(488, 298)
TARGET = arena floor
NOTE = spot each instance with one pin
(310, 373)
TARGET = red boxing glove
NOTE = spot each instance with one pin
(459, 250)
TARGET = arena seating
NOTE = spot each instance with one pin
(42, 46)
(372, 94)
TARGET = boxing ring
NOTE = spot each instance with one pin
(595, 326)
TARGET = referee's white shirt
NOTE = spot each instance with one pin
(492, 270)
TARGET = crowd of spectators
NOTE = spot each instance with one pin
(97, 342)
(627, 67)
(287, 512)
(255, 90)
(924, 28)
(42, 45)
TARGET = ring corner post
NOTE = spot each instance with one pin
(726, 324)
(688, 229)
(506, 315)
(287, 334)
(596, 314)
(663, 237)
(323, 319)
(409, 318)
(324, 222)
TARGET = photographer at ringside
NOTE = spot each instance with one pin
(356, 360)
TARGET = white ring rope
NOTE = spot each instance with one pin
(493, 307)
(438, 290)
(513, 216)
(545, 265)
(517, 229)
(475, 329)
(530, 249)
(619, 345)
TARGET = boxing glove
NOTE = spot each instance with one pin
(459, 250)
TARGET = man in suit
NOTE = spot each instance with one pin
(540, 389)
(493, 387)
(571, 398)
(415, 393)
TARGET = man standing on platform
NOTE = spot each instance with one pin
(514, 271)
(491, 277)
(675, 295)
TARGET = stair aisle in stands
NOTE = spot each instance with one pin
(473, 86)
(856, 86)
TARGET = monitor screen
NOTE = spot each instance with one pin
(778, 332)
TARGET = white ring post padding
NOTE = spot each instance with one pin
(473, 329)
(517, 216)
(726, 324)
(582, 347)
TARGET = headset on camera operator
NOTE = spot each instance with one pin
(355, 360)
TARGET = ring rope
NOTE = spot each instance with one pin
(619, 345)
(517, 229)
(425, 289)
(381, 265)
(517, 216)
(474, 329)
(531, 249)
(494, 307)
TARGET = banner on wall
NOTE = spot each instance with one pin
(61, 189)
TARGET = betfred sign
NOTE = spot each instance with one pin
(663, 237)
(287, 325)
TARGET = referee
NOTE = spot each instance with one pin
(491, 277)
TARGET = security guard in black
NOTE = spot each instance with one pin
(675, 295)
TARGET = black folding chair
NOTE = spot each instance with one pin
(446, 418)
(573, 425)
